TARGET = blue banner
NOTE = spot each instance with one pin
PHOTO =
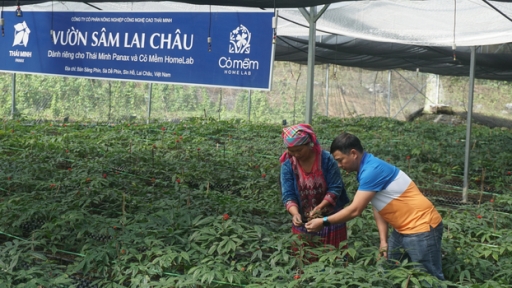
(146, 46)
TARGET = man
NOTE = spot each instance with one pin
(396, 200)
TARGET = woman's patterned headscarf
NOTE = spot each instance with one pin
(296, 135)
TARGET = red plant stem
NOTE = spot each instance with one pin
(407, 283)
(483, 178)
(123, 209)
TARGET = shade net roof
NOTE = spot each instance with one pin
(379, 35)
(348, 51)
(239, 3)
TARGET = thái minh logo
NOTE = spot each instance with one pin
(240, 40)
(21, 34)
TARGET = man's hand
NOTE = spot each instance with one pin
(315, 225)
(297, 220)
(383, 251)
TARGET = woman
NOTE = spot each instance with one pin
(311, 184)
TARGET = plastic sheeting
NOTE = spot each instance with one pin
(425, 23)
(377, 35)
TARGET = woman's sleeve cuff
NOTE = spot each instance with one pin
(289, 204)
(331, 198)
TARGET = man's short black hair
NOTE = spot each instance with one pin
(346, 142)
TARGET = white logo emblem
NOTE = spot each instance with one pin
(240, 40)
(21, 32)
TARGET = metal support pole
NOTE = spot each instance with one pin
(389, 93)
(311, 16)
(13, 96)
(468, 124)
(150, 93)
(249, 106)
(109, 100)
(311, 66)
(437, 89)
(327, 90)
(220, 102)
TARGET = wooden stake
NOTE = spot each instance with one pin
(495, 220)
(481, 187)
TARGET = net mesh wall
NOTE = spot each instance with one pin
(351, 92)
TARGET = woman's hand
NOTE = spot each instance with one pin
(316, 211)
(297, 220)
(315, 225)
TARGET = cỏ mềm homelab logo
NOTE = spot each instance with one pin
(239, 46)
(240, 40)
(21, 34)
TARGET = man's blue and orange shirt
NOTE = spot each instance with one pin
(398, 200)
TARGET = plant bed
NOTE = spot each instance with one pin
(213, 217)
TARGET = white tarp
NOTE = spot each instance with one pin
(425, 23)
